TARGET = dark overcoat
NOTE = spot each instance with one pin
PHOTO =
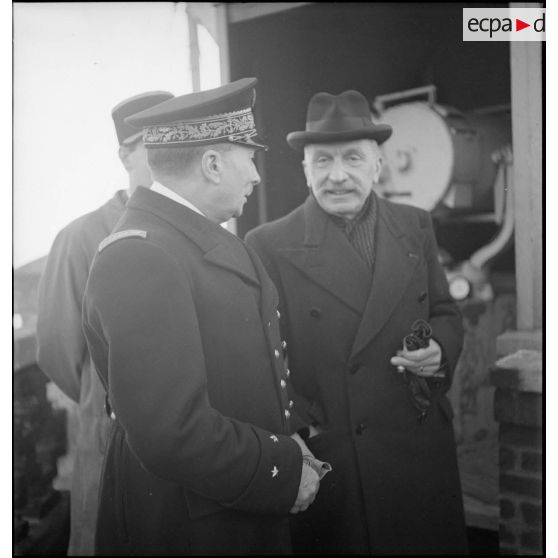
(181, 324)
(395, 486)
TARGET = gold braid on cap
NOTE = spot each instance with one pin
(230, 126)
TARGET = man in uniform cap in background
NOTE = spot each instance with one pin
(62, 349)
(180, 319)
(354, 273)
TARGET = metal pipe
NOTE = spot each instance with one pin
(486, 254)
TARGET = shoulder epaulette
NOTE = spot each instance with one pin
(130, 233)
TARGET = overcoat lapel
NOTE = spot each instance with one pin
(326, 258)
(396, 257)
(222, 256)
(210, 237)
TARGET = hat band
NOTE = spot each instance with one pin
(211, 129)
(342, 124)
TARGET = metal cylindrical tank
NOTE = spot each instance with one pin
(439, 157)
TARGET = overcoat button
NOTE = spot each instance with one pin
(422, 296)
(277, 353)
(291, 404)
(287, 372)
(112, 415)
(283, 345)
(361, 428)
(287, 414)
(278, 314)
(316, 313)
(283, 384)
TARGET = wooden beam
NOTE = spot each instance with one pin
(194, 53)
(242, 11)
(526, 93)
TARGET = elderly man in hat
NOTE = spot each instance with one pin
(180, 317)
(62, 350)
(355, 273)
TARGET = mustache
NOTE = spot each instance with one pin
(339, 189)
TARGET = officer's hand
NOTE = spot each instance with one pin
(309, 485)
(422, 362)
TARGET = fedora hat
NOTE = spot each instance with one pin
(337, 118)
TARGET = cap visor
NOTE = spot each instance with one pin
(133, 138)
(252, 144)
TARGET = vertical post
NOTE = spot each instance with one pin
(222, 21)
(222, 18)
(526, 93)
(222, 25)
(194, 52)
(518, 375)
(261, 190)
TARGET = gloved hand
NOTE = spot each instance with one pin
(420, 358)
(423, 362)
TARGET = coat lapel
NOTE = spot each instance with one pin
(220, 247)
(326, 258)
(223, 256)
(396, 258)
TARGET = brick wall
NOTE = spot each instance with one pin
(518, 410)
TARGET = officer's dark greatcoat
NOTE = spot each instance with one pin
(395, 487)
(182, 327)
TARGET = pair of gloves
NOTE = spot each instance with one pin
(421, 394)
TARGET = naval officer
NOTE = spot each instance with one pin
(181, 321)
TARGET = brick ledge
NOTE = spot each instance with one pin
(521, 371)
